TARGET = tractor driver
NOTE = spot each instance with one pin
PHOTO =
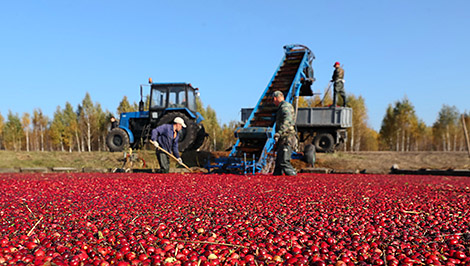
(114, 123)
(285, 137)
(166, 137)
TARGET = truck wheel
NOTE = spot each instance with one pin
(187, 135)
(117, 139)
(324, 142)
(309, 154)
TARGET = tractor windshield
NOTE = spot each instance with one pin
(172, 96)
(177, 97)
(191, 100)
(158, 97)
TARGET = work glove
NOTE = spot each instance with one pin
(276, 137)
(155, 143)
(180, 161)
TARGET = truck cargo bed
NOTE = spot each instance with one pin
(340, 117)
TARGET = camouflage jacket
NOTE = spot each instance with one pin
(285, 124)
(338, 74)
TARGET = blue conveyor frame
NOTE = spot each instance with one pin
(237, 163)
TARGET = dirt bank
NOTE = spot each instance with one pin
(383, 161)
(377, 161)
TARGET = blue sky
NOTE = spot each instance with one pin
(55, 51)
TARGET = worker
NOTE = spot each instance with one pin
(285, 136)
(114, 123)
(338, 79)
(166, 137)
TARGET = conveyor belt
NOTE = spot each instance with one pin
(255, 140)
(266, 113)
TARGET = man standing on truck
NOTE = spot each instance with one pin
(285, 136)
(166, 137)
(338, 79)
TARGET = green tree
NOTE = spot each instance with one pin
(71, 133)
(361, 137)
(370, 140)
(40, 122)
(86, 113)
(92, 122)
(26, 122)
(228, 137)
(2, 125)
(212, 128)
(407, 122)
(314, 101)
(387, 137)
(100, 126)
(57, 129)
(399, 129)
(220, 137)
(466, 123)
(446, 128)
(13, 132)
(125, 106)
(424, 137)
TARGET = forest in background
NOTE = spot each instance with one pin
(84, 128)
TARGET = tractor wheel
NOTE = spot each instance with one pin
(187, 135)
(117, 139)
(200, 137)
(309, 154)
(324, 142)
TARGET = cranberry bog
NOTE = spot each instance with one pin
(196, 219)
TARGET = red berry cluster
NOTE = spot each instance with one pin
(196, 219)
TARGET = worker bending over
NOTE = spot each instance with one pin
(166, 137)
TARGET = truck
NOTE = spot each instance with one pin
(166, 102)
(254, 149)
(324, 127)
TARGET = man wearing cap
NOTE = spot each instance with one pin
(285, 137)
(166, 136)
(338, 79)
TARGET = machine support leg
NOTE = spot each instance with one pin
(254, 164)
(244, 163)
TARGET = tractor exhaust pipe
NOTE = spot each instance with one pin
(141, 103)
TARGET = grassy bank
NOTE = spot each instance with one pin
(10, 159)
(341, 160)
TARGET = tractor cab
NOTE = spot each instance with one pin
(171, 100)
(167, 101)
(166, 97)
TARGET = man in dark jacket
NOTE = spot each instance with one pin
(114, 123)
(285, 136)
(166, 137)
(338, 79)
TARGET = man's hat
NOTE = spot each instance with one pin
(278, 93)
(179, 120)
(337, 63)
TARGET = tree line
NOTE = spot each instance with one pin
(85, 127)
(402, 130)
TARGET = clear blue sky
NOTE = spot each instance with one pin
(55, 51)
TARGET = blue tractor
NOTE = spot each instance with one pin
(167, 101)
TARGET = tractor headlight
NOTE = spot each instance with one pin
(155, 115)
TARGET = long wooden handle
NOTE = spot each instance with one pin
(171, 155)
